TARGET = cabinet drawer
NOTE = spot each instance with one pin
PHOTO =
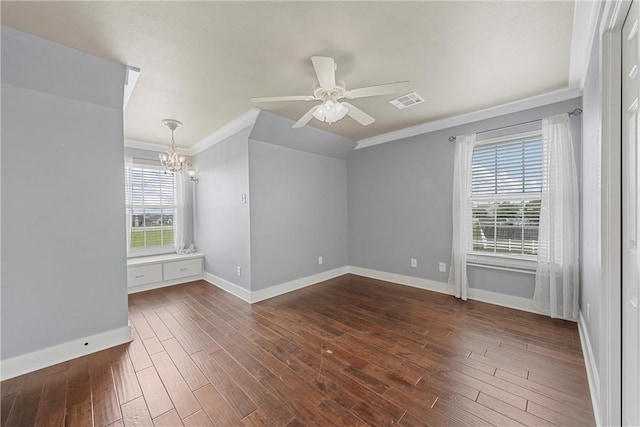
(178, 269)
(144, 274)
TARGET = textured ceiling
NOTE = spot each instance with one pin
(201, 62)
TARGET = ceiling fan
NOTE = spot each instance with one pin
(329, 91)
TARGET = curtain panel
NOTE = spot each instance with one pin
(557, 271)
(128, 165)
(180, 224)
(461, 242)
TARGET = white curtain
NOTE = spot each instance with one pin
(556, 290)
(461, 220)
(180, 223)
(128, 165)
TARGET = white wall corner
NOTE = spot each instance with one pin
(53, 355)
(229, 287)
(246, 119)
(585, 18)
(487, 113)
(283, 288)
(592, 369)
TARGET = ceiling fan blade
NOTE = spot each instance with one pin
(358, 115)
(399, 87)
(305, 119)
(325, 70)
(283, 98)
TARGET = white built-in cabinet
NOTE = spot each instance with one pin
(151, 272)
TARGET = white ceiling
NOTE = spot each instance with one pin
(201, 62)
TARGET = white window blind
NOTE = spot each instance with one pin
(151, 197)
(506, 187)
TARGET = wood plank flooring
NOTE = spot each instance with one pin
(349, 351)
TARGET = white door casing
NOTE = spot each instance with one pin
(630, 219)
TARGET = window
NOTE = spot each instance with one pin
(151, 201)
(506, 187)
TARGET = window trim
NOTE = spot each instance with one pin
(511, 262)
(522, 262)
(157, 249)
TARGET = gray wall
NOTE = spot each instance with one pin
(400, 196)
(222, 220)
(502, 281)
(151, 157)
(296, 210)
(277, 130)
(63, 229)
(298, 213)
(591, 203)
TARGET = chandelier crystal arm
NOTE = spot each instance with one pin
(171, 161)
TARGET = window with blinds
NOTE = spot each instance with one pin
(151, 198)
(506, 187)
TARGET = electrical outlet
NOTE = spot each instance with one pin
(442, 267)
(239, 271)
(588, 312)
(414, 263)
(319, 260)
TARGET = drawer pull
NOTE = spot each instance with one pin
(184, 269)
(139, 276)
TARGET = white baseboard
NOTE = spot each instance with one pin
(49, 356)
(163, 284)
(592, 370)
(283, 288)
(414, 282)
(227, 286)
(272, 291)
(509, 301)
(518, 303)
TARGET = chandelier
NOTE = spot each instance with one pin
(330, 111)
(170, 160)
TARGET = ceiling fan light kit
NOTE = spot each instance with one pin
(330, 111)
(329, 91)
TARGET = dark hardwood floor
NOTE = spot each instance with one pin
(349, 351)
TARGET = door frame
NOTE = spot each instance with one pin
(611, 213)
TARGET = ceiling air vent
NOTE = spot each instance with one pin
(406, 101)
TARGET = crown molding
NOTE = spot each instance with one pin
(246, 119)
(487, 113)
(142, 145)
(585, 19)
(131, 78)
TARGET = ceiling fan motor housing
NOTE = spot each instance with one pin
(338, 91)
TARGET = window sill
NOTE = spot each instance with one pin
(155, 259)
(500, 262)
(146, 252)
